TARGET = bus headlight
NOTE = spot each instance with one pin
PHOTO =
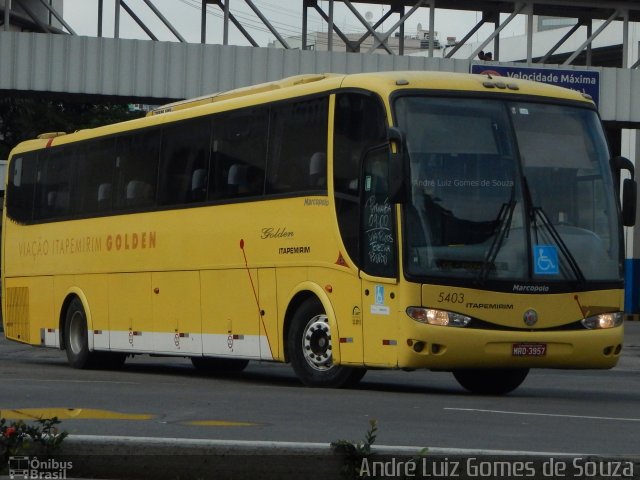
(605, 320)
(438, 317)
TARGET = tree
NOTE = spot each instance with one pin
(26, 118)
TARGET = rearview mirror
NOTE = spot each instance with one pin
(629, 189)
(397, 166)
(629, 202)
(622, 163)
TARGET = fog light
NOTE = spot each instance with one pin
(605, 320)
(438, 317)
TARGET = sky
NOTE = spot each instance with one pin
(285, 15)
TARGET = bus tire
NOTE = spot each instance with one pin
(76, 340)
(219, 365)
(310, 350)
(494, 381)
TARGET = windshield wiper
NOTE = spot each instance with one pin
(536, 212)
(503, 220)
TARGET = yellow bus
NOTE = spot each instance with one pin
(402, 220)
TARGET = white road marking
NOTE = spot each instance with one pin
(62, 380)
(536, 414)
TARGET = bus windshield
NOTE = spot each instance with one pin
(508, 191)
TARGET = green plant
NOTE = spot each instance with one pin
(20, 438)
(355, 452)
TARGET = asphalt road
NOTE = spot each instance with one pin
(578, 412)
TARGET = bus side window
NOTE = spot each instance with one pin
(137, 169)
(239, 152)
(378, 219)
(20, 190)
(184, 162)
(96, 164)
(297, 147)
(55, 169)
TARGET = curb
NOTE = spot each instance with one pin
(87, 456)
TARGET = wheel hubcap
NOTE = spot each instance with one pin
(77, 332)
(316, 343)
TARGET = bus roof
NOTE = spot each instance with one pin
(387, 82)
(383, 83)
(392, 80)
(240, 92)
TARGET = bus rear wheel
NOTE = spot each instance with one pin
(76, 340)
(494, 381)
(219, 365)
(310, 349)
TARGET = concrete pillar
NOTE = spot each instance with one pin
(630, 148)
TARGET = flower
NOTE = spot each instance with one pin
(20, 438)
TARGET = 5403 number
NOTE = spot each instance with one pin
(450, 297)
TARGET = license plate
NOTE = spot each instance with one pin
(529, 349)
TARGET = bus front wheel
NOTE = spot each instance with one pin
(495, 381)
(310, 347)
(76, 341)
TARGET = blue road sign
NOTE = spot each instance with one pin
(585, 81)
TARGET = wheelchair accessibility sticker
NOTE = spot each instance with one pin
(379, 295)
(380, 308)
(545, 260)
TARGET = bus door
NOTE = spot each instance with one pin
(379, 263)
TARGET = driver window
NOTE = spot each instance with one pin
(378, 219)
(360, 124)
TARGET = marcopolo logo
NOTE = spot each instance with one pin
(21, 467)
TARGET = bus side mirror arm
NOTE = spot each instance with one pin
(629, 189)
(398, 168)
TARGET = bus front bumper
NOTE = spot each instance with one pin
(447, 348)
